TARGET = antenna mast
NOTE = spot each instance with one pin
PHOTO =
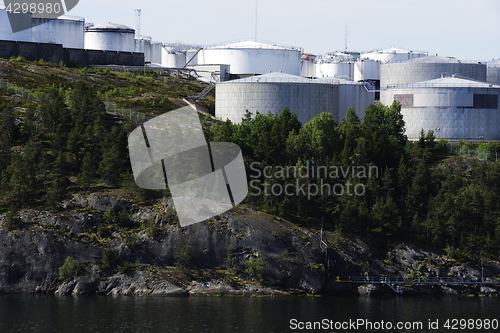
(256, 20)
(346, 31)
(137, 30)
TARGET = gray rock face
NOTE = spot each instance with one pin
(488, 291)
(31, 256)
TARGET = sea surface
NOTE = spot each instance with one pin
(51, 313)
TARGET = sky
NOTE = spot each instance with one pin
(464, 29)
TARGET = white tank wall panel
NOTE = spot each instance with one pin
(366, 70)
(189, 57)
(6, 30)
(173, 60)
(156, 51)
(343, 70)
(253, 61)
(66, 31)
(412, 72)
(493, 72)
(356, 96)
(180, 60)
(449, 112)
(110, 41)
(307, 68)
(306, 100)
(145, 47)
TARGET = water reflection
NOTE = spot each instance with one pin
(49, 313)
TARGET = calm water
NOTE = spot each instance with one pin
(49, 313)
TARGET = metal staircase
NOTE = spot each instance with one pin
(203, 93)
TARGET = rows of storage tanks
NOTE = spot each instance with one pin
(462, 103)
(455, 99)
(66, 30)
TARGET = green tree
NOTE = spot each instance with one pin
(68, 269)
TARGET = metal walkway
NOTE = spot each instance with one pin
(422, 280)
(396, 282)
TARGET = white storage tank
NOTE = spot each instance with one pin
(66, 30)
(6, 29)
(305, 97)
(493, 72)
(144, 47)
(192, 57)
(428, 68)
(393, 54)
(343, 70)
(252, 57)
(367, 70)
(110, 37)
(454, 108)
(351, 94)
(175, 59)
(156, 49)
(307, 68)
(272, 93)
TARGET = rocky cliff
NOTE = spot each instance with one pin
(122, 248)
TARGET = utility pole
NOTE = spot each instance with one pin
(346, 31)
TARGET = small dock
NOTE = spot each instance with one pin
(396, 282)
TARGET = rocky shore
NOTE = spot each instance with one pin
(142, 255)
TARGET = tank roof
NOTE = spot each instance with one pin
(335, 80)
(253, 44)
(493, 63)
(435, 60)
(109, 27)
(393, 49)
(449, 82)
(277, 77)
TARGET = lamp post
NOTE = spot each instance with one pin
(482, 275)
(334, 276)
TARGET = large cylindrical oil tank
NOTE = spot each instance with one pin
(192, 57)
(173, 59)
(6, 30)
(454, 108)
(273, 92)
(252, 57)
(393, 55)
(110, 37)
(493, 72)
(156, 48)
(428, 68)
(343, 70)
(351, 95)
(307, 68)
(367, 70)
(66, 30)
(144, 47)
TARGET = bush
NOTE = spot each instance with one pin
(230, 261)
(11, 221)
(255, 268)
(183, 257)
(68, 269)
(18, 59)
(126, 268)
(109, 215)
(124, 220)
(110, 259)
